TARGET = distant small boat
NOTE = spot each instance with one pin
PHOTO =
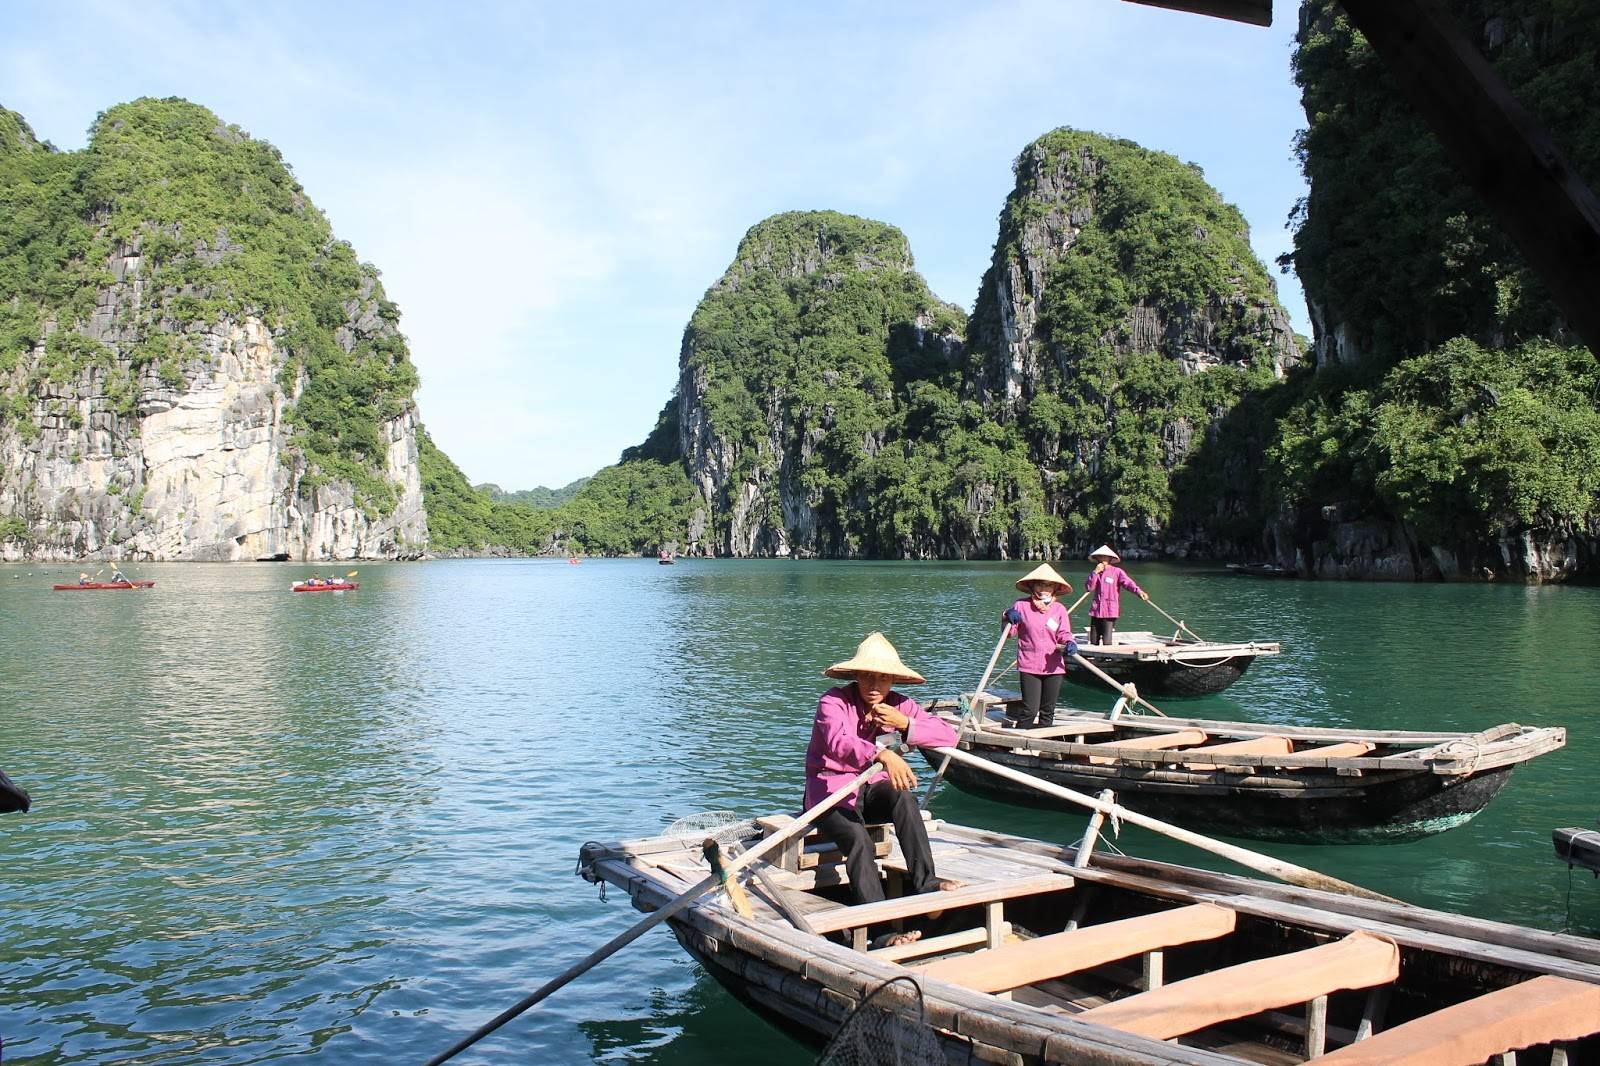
(334, 586)
(1262, 570)
(664, 558)
(574, 561)
(97, 585)
(1168, 666)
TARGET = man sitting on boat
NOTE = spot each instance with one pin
(117, 578)
(83, 579)
(845, 739)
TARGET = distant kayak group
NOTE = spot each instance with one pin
(119, 580)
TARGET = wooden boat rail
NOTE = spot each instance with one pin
(1444, 754)
(1147, 647)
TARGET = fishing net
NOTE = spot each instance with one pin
(887, 1028)
(725, 827)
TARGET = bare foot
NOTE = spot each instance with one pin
(894, 940)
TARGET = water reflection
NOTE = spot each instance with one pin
(267, 824)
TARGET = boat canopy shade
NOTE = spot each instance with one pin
(1255, 12)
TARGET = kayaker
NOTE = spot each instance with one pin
(1105, 602)
(118, 578)
(851, 722)
(83, 579)
(1044, 643)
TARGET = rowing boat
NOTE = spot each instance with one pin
(1300, 784)
(94, 586)
(1170, 666)
(1038, 958)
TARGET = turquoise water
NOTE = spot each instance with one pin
(268, 825)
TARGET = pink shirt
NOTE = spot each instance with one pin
(843, 742)
(1106, 601)
(1040, 636)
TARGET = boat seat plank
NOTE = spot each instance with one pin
(1086, 728)
(1182, 738)
(1541, 1011)
(1271, 745)
(1360, 960)
(864, 914)
(1348, 749)
(1047, 957)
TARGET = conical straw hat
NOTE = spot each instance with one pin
(875, 655)
(1105, 549)
(1043, 572)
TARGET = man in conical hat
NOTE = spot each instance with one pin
(851, 721)
(1105, 602)
(1044, 644)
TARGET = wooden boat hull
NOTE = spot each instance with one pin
(1437, 966)
(1390, 811)
(1203, 677)
(1309, 785)
(1578, 847)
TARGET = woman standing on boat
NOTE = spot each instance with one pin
(851, 720)
(1105, 583)
(1044, 642)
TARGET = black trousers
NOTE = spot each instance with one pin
(1102, 630)
(1039, 692)
(846, 827)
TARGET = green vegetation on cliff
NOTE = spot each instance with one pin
(221, 231)
(1453, 411)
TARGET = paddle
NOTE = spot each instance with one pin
(1283, 871)
(977, 697)
(638, 929)
(1175, 621)
(1127, 690)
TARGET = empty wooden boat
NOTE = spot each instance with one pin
(1037, 959)
(1302, 784)
(1170, 666)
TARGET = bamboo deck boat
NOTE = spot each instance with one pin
(1307, 785)
(1037, 959)
(1578, 847)
(1169, 666)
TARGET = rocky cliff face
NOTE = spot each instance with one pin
(1072, 190)
(1123, 314)
(786, 381)
(183, 404)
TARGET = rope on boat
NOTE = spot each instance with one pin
(1207, 666)
(1475, 745)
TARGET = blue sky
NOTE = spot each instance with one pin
(550, 189)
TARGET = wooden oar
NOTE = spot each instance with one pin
(1128, 690)
(638, 929)
(1005, 633)
(1283, 871)
(1175, 621)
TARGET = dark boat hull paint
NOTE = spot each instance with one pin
(1385, 811)
(1168, 679)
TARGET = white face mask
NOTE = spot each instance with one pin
(1046, 598)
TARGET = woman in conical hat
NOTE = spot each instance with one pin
(851, 719)
(1105, 601)
(1044, 644)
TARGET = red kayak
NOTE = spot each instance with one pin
(106, 585)
(338, 586)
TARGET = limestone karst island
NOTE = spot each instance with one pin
(1035, 533)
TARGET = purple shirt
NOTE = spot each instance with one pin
(1040, 636)
(843, 742)
(1106, 601)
